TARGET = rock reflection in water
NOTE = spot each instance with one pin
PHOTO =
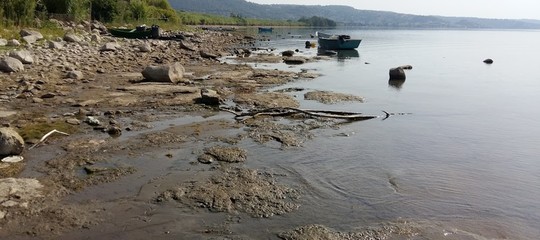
(397, 84)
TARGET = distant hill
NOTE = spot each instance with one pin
(344, 15)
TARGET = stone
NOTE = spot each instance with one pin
(78, 75)
(92, 121)
(9, 64)
(206, 54)
(28, 32)
(13, 43)
(22, 55)
(164, 73)
(109, 47)
(55, 45)
(288, 53)
(48, 95)
(30, 39)
(71, 37)
(114, 131)
(3, 42)
(295, 60)
(209, 97)
(206, 159)
(187, 46)
(145, 47)
(488, 61)
(397, 74)
(11, 143)
(95, 38)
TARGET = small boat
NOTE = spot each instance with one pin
(140, 32)
(265, 29)
(337, 42)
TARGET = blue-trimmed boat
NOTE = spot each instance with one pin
(337, 42)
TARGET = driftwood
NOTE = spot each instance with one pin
(46, 136)
(287, 111)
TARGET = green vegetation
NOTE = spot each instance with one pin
(191, 18)
(318, 21)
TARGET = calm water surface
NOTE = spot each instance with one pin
(466, 160)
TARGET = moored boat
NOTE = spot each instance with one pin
(337, 42)
(265, 29)
(140, 32)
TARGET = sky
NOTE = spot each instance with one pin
(502, 9)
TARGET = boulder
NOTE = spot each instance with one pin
(109, 47)
(206, 54)
(295, 60)
(187, 46)
(56, 45)
(95, 38)
(22, 55)
(3, 42)
(488, 61)
(13, 43)
(288, 53)
(30, 39)
(71, 37)
(164, 73)
(9, 64)
(28, 32)
(11, 143)
(209, 97)
(145, 47)
(78, 75)
(397, 74)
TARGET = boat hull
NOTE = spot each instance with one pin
(339, 44)
(131, 33)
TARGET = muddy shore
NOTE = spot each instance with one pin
(145, 159)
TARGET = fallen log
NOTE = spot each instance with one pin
(287, 111)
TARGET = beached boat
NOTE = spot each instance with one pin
(265, 29)
(337, 42)
(139, 32)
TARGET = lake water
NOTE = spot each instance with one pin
(465, 162)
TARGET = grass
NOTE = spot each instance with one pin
(38, 130)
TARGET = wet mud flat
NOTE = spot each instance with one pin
(147, 160)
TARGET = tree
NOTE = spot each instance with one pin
(18, 12)
(104, 10)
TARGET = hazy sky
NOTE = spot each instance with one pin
(510, 9)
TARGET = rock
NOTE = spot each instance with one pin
(3, 42)
(92, 121)
(71, 37)
(397, 74)
(164, 73)
(9, 64)
(295, 60)
(13, 159)
(95, 38)
(48, 95)
(22, 55)
(73, 121)
(28, 32)
(187, 46)
(109, 47)
(55, 45)
(206, 159)
(11, 143)
(145, 47)
(206, 54)
(209, 97)
(78, 75)
(288, 53)
(13, 43)
(488, 61)
(30, 39)
(114, 131)
(406, 67)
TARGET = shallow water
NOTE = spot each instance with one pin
(467, 157)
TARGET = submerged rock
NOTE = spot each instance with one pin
(397, 74)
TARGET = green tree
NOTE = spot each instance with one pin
(138, 9)
(104, 10)
(19, 12)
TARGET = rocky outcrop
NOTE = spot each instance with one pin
(165, 73)
(11, 143)
(9, 64)
(22, 55)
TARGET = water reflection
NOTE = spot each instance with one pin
(341, 54)
(396, 84)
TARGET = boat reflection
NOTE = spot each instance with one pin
(340, 54)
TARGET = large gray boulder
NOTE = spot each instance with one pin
(3, 42)
(29, 32)
(109, 47)
(165, 73)
(397, 74)
(9, 64)
(30, 39)
(22, 55)
(71, 37)
(77, 75)
(11, 143)
(13, 43)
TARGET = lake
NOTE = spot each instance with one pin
(464, 164)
